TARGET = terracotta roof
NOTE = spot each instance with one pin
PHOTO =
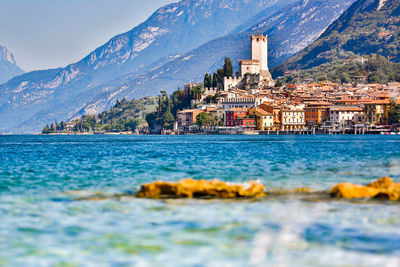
(263, 112)
(378, 102)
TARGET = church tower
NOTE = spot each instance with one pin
(259, 51)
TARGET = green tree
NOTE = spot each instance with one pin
(203, 119)
(215, 80)
(197, 92)
(159, 108)
(394, 113)
(220, 76)
(62, 126)
(168, 118)
(207, 81)
(131, 125)
(228, 68)
(46, 130)
(108, 128)
(87, 126)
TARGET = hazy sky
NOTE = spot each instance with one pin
(53, 33)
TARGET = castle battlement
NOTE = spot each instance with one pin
(259, 37)
(234, 78)
(231, 82)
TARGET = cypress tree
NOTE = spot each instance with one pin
(220, 76)
(168, 117)
(206, 81)
(215, 80)
(228, 68)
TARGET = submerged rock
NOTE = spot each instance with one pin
(190, 188)
(383, 188)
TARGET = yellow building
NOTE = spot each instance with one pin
(265, 120)
(275, 110)
(377, 111)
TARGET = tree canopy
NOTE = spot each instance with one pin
(203, 119)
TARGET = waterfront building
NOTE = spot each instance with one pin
(247, 123)
(342, 114)
(377, 111)
(265, 120)
(233, 116)
(292, 119)
(240, 102)
(187, 117)
(316, 113)
(275, 110)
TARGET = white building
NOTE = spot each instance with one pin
(243, 102)
(341, 114)
(292, 119)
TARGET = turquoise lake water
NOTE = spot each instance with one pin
(42, 225)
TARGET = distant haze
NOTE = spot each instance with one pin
(46, 34)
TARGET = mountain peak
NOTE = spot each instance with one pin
(8, 65)
(6, 56)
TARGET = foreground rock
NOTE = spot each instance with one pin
(383, 188)
(190, 188)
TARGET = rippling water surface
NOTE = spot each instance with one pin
(40, 225)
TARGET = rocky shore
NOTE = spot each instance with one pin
(382, 189)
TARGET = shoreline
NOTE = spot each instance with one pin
(208, 134)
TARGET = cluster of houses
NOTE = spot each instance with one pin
(248, 101)
(299, 107)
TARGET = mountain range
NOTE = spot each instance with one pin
(8, 65)
(367, 27)
(303, 20)
(177, 44)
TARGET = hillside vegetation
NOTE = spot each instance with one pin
(365, 28)
(374, 68)
(124, 116)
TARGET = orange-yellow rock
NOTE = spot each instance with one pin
(383, 188)
(190, 188)
(349, 191)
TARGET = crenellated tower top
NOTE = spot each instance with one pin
(259, 38)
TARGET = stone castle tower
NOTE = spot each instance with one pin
(259, 51)
(254, 72)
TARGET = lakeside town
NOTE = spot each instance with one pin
(251, 102)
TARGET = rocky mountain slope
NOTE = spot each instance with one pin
(172, 30)
(367, 27)
(8, 66)
(289, 30)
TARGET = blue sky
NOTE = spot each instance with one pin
(53, 33)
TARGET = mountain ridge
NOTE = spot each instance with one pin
(367, 27)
